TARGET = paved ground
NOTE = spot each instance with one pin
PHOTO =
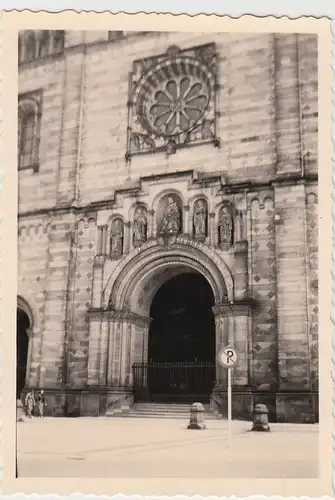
(119, 447)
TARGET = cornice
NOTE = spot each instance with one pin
(109, 314)
(229, 188)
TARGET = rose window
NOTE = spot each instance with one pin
(178, 106)
(173, 97)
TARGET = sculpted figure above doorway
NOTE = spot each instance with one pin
(116, 243)
(200, 220)
(140, 226)
(171, 217)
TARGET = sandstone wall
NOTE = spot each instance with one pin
(267, 100)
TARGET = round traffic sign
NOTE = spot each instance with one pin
(227, 357)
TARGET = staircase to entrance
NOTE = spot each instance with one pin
(162, 410)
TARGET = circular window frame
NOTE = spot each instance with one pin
(158, 77)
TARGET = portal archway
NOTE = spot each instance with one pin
(182, 327)
(23, 325)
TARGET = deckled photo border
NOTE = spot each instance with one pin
(8, 177)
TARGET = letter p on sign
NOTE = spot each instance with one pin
(227, 357)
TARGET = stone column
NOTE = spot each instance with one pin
(103, 348)
(124, 346)
(187, 220)
(211, 228)
(129, 355)
(127, 237)
(221, 337)
(152, 226)
(241, 270)
(241, 313)
(111, 352)
(140, 346)
(100, 240)
(114, 350)
(94, 348)
(98, 284)
(104, 240)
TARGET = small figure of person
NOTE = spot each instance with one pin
(41, 403)
(29, 403)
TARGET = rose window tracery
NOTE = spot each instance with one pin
(172, 100)
(177, 106)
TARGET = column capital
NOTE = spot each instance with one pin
(233, 308)
(110, 314)
(211, 215)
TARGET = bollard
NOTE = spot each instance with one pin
(197, 417)
(261, 419)
(20, 416)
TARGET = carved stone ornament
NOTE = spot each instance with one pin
(140, 226)
(172, 100)
(171, 218)
(116, 244)
(225, 228)
(200, 220)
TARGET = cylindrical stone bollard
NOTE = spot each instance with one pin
(20, 416)
(261, 419)
(197, 420)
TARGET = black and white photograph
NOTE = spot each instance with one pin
(167, 300)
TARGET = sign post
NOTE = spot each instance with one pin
(227, 359)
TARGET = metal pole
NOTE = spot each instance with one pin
(229, 408)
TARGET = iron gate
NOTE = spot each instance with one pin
(175, 379)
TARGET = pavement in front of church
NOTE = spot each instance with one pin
(127, 447)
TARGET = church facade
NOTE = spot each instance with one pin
(148, 158)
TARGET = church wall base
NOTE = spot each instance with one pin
(90, 402)
(286, 407)
(289, 406)
(241, 401)
(297, 407)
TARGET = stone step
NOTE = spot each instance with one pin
(174, 407)
(161, 410)
(174, 416)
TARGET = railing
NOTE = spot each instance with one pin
(178, 378)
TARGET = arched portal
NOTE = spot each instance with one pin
(182, 327)
(23, 324)
(164, 303)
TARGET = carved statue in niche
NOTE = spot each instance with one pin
(225, 228)
(171, 218)
(116, 247)
(140, 226)
(200, 220)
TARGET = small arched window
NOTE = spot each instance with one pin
(35, 45)
(28, 132)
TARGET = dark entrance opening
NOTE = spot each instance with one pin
(22, 341)
(181, 350)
